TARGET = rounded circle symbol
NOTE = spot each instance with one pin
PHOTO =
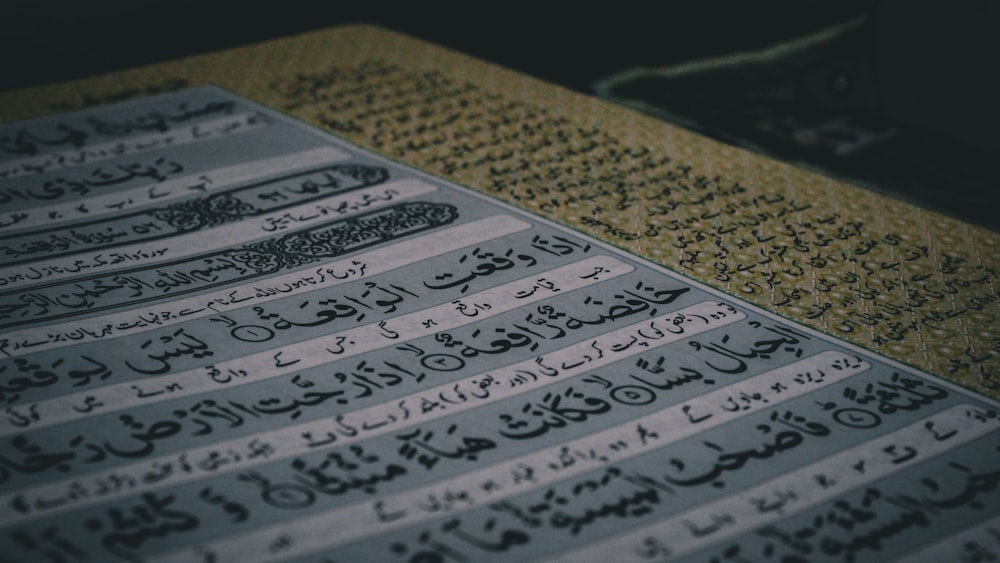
(633, 395)
(288, 497)
(857, 418)
(442, 362)
(252, 333)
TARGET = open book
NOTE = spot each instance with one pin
(228, 335)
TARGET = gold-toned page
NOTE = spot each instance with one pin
(906, 282)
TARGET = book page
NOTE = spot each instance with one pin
(229, 336)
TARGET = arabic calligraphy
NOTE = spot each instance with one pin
(192, 215)
(98, 293)
(326, 354)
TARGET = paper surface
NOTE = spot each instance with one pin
(228, 336)
(906, 282)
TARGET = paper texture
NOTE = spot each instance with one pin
(229, 336)
(907, 282)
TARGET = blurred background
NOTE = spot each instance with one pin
(897, 96)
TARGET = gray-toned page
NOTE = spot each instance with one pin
(227, 336)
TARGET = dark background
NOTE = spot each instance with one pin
(571, 44)
(933, 74)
